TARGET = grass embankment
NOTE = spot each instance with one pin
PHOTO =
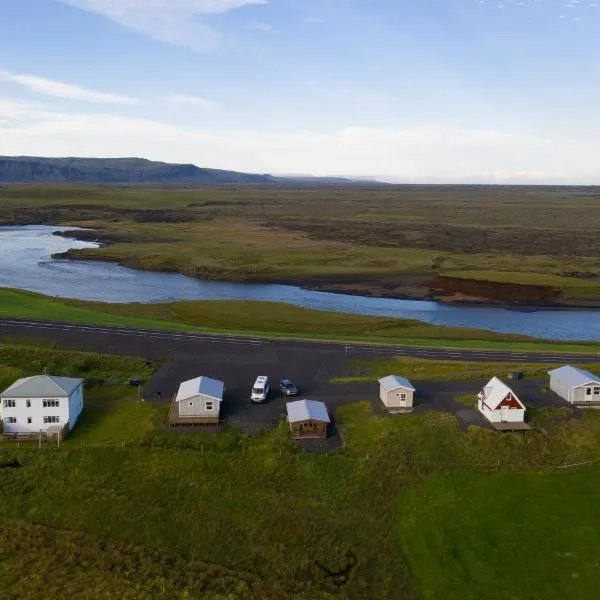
(141, 513)
(368, 370)
(369, 240)
(271, 319)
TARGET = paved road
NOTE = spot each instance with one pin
(160, 344)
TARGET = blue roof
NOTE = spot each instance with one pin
(573, 376)
(307, 410)
(393, 382)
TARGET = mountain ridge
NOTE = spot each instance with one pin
(139, 171)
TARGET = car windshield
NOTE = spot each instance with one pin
(289, 384)
(257, 390)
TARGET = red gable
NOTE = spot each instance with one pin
(509, 402)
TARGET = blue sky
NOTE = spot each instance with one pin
(428, 90)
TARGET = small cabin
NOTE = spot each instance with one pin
(197, 402)
(501, 406)
(576, 386)
(308, 419)
(396, 393)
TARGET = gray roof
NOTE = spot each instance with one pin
(574, 377)
(205, 386)
(42, 386)
(307, 410)
(393, 382)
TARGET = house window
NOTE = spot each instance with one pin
(191, 404)
(209, 406)
(10, 404)
(50, 404)
(403, 397)
(29, 420)
(51, 420)
(10, 419)
(28, 403)
(596, 391)
(588, 391)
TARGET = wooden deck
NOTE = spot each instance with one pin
(511, 426)
(176, 421)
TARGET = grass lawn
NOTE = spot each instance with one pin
(367, 370)
(407, 508)
(460, 532)
(271, 319)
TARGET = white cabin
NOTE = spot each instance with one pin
(200, 400)
(499, 404)
(41, 403)
(396, 393)
(577, 386)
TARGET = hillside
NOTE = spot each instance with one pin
(132, 171)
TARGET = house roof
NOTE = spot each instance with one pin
(307, 410)
(213, 388)
(42, 386)
(495, 391)
(393, 382)
(573, 376)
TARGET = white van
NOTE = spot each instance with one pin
(260, 389)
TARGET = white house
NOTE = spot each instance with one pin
(198, 401)
(41, 403)
(396, 393)
(576, 386)
(501, 406)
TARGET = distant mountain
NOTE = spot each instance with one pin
(139, 171)
(124, 171)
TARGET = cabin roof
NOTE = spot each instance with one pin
(205, 386)
(307, 410)
(393, 382)
(573, 376)
(495, 391)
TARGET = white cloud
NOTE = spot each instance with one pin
(441, 153)
(195, 101)
(49, 87)
(174, 22)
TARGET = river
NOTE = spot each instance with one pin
(26, 263)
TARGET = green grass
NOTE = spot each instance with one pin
(367, 370)
(368, 240)
(530, 536)
(271, 319)
(125, 509)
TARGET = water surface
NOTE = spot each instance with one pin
(26, 262)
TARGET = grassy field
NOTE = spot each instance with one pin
(383, 240)
(270, 320)
(408, 509)
(367, 370)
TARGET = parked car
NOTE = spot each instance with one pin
(287, 388)
(260, 389)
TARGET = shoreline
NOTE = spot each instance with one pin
(367, 286)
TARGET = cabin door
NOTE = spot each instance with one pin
(504, 414)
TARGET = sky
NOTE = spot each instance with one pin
(503, 91)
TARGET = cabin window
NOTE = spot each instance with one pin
(403, 397)
(10, 420)
(191, 404)
(50, 403)
(588, 391)
(29, 420)
(10, 404)
(596, 391)
(209, 406)
(51, 420)
(28, 403)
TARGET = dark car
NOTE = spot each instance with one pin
(287, 388)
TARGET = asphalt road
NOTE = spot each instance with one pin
(157, 345)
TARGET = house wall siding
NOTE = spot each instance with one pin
(391, 398)
(36, 412)
(559, 387)
(196, 407)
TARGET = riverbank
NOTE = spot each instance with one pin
(480, 245)
(444, 289)
(273, 320)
